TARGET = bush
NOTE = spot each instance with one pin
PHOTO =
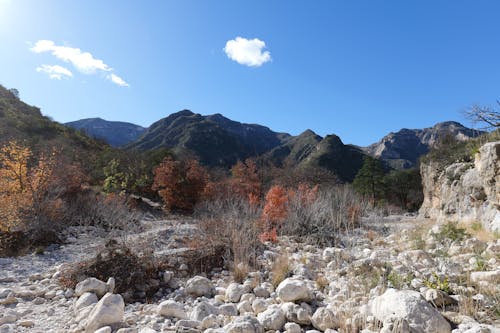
(319, 219)
(132, 273)
(230, 223)
(452, 232)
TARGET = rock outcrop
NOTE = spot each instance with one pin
(465, 192)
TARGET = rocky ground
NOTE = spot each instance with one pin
(399, 274)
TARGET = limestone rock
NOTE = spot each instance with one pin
(91, 285)
(409, 305)
(171, 308)
(323, 319)
(199, 286)
(293, 289)
(107, 312)
(246, 324)
(272, 319)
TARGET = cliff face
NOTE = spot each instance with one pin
(465, 192)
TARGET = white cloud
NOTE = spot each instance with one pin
(248, 52)
(117, 80)
(84, 62)
(55, 71)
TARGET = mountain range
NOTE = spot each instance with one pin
(218, 141)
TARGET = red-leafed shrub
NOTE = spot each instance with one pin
(180, 184)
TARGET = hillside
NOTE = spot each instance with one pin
(401, 150)
(115, 133)
(22, 122)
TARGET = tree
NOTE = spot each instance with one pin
(404, 187)
(275, 212)
(180, 183)
(245, 181)
(484, 114)
(370, 178)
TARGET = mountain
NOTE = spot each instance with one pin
(214, 139)
(115, 133)
(24, 123)
(401, 150)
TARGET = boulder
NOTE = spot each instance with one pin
(173, 309)
(323, 319)
(245, 324)
(411, 306)
(272, 319)
(293, 290)
(296, 313)
(85, 300)
(107, 312)
(199, 286)
(234, 292)
(91, 285)
(202, 310)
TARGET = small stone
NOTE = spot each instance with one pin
(171, 308)
(105, 329)
(92, 285)
(199, 286)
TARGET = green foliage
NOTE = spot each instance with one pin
(435, 282)
(404, 188)
(370, 179)
(399, 281)
(452, 232)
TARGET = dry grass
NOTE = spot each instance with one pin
(240, 272)
(280, 269)
(476, 230)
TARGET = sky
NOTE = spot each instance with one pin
(357, 69)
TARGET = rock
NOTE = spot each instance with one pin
(111, 285)
(411, 306)
(107, 312)
(147, 330)
(228, 310)
(261, 292)
(296, 313)
(85, 300)
(202, 310)
(209, 322)
(259, 305)
(91, 285)
(439, 298)
(185, 323)
(246, 324)
(396, 325)
(272, 319)
(127, 330)
(323, 319)
(292, 328)
(244, 307)
(199, 286)
(8, 318)
(173, 309)
(26, 323)
(490, 276)
(234, 292)
(293, 289)
(105, 329)
(5, 292)
(167, 276)
(69, 293)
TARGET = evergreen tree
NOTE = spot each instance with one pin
(370, 178)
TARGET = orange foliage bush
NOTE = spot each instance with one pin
(245, 181)
(275, 212)
(180, 184)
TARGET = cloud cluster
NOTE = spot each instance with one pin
(84, 62)
(248, 52)
(55, 72)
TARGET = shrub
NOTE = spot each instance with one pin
(131, 271)
(180, 183)
(435, 282)
(230, 223)
(452, 232)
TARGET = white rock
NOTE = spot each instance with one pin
(409, 305)
(297, 314)
(8, 318)
(292, 328)
(111, 285)
(323, 319)
(244, 307)
(272, 319)
(85, 300)
(293, 289)
(229, 309)
(246, 324)
(234, 292)
(167, 276)
(92, 285)
(5, 292)
(199, 286)
(171, 308)
(202, 310)
(105, 329)
(490, 276)
(108, 311)
(147, 330)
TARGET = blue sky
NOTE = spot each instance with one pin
(359, 69)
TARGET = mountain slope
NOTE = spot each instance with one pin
(401, 150)
(214, 139)
(115, 133)
(22, 122)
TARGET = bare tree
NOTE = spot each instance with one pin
(485, 115)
